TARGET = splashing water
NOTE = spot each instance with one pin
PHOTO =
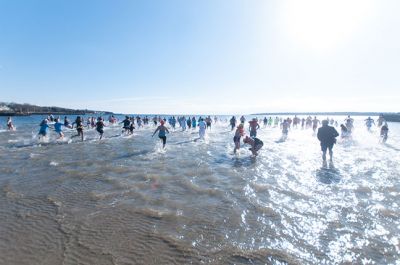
(125, 200)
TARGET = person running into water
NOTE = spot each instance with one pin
(368, 122)
(127, 125)
(232, 121)
(100, 127)
(43, 128)
(67, 123)
(327, 136)
(58, 129)
(238, 134)
(10, 125)
(255, 143)
(380, 120)
(194, 123)
(349, 124)
(242, 119)
(285, 130)
(162, 131)
(344, 132)
(208, 122)
(315, 123)
(384, 132)
(202, 128)
(79, 127)
(253, 127)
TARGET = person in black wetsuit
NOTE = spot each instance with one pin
(127, 124)
(327, 136)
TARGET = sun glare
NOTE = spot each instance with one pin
(322, 25)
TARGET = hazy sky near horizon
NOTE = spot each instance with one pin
(202, 56)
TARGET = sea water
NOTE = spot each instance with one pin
(125, 200)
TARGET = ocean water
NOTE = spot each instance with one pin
(124, 200)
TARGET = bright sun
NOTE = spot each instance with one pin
(322, 25)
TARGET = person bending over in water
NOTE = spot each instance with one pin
(327, 136)
(238, 134)
(255, 143)
(384, 132)
(162, 131)
(100, 126)
(10, 125)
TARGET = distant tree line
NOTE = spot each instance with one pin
(29, 109)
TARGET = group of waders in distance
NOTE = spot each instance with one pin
(326, 133)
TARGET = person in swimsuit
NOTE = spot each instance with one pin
(162, 131)
(255, 143)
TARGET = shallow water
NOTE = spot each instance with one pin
(124, 200)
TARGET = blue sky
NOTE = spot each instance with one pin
(216, 56)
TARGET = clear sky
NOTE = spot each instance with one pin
(202, 56)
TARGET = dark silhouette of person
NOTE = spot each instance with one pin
(327, 136)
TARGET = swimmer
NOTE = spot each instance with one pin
(242, 119)
(162, 131)
(100, 126)
(57, 128)
(255, 143)
(327, 137)
(238, 134)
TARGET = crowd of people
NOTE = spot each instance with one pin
(326, 134)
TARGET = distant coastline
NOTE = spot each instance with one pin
(16, 109)
(389, 116)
